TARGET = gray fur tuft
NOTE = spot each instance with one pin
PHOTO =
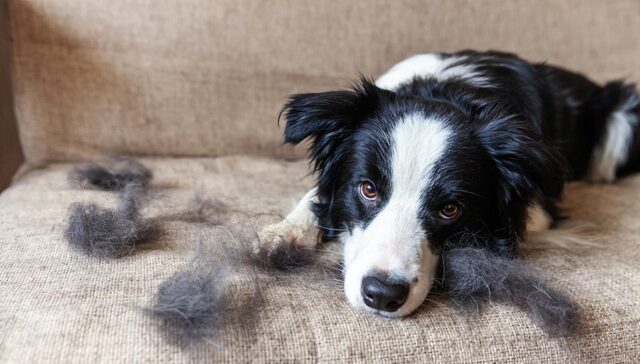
(473, 276)
(191, 305)
(214, 291)
(110, 233)
(115, 177)
(202, 210)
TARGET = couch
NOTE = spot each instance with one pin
(193, 88)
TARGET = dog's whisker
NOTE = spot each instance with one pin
(331, 229)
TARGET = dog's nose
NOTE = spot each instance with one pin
(384, 295)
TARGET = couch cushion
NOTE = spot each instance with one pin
(207, 78)
(57, 305)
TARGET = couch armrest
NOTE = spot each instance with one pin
(10, 151)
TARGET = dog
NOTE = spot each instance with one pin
(447, 150)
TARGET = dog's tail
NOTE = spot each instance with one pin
(568, 235)
(617, 151)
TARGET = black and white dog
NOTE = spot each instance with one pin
(448, 150)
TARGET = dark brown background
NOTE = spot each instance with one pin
(10, 152)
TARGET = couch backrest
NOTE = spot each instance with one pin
(202, 77)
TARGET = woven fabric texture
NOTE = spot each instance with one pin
(194, 83)
(60, 306)
(208, 78)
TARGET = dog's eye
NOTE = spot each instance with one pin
(368, 190)
(450, 211)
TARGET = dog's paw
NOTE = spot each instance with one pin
(283, 246)
(276, 235)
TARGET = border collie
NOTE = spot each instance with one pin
(447, 150)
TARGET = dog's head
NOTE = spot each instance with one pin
(401, 179)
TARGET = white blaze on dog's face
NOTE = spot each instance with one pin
(402, 179)
(393, 250)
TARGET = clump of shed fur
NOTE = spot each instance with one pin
(473, 276)
(192, 304)
(198, 301)
(202, 210)
(113, 176)
(110, 233)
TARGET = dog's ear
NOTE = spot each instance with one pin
(314, 114)
(528, 169)
(329, 118)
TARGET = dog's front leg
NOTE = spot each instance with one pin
(297, 230)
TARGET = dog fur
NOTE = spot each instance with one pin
(474, 276)
(486, 135)
(111, 233)
(114, 176)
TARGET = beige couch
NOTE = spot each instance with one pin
(195, 86)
